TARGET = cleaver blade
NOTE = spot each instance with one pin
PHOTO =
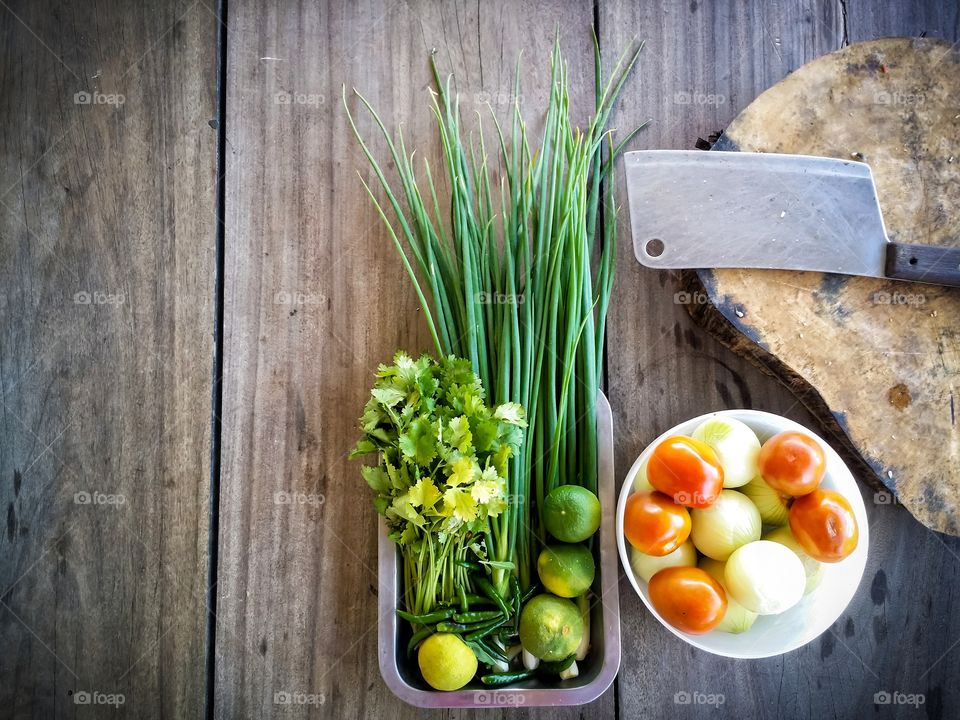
(696, 209)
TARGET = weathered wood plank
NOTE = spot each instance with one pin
(106, 317)
(724, 54)
(932, 18)
(315, 298)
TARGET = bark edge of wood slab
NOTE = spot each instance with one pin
(876, 360)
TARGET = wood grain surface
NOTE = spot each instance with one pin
(114, 397)
(671, 371)
(107, 217)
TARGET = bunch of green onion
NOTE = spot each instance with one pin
(527, 240)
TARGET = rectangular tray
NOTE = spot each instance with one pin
(596, 672)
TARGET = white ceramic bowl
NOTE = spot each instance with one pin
(817, 611)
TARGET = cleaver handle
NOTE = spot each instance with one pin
(924, 263)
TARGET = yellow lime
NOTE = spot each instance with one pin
(566, 570)
(550, 628)
(571, 513)
(446, 662)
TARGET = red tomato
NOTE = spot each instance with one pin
(688, 598)
(654, 524)
(824, 524)
(792, 463)
(687, 470)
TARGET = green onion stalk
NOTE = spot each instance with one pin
(511, 275)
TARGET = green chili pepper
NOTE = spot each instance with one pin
(429, 618)
(477, 616)
(484, 629)
(500, 679)
(474, 599)
(472, 566)
(556, 667)
(418, 637)
(487, 588)
(494, 650)
(515, 587)
(483, 655)
(454, 627)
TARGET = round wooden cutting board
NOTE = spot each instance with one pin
(878, 361)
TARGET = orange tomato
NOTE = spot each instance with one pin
(654, 524)
(824, 524)
(687, 470)
(688, 598)
(792, 463)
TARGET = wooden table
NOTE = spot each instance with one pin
(194, 292)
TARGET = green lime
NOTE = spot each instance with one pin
(550, 628)
(571, 513)
(446, 662)
(566, 570)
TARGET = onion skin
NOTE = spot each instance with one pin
(737, 618)
(640, 481)
(645, 566)
(813, 568)
(765, 577)
(736, 445)
(771, 504)
(732, 521)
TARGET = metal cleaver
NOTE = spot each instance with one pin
(696, 209)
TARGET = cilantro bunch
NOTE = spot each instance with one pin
(442, 476)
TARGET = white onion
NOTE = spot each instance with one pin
(730, 522)
(640, 482)
(813, 568)
(736, 445)
(737, 618)
(771, 504)
(530, 661)
(646, 566)
(765, 577)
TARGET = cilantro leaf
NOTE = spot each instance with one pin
(460, 505)
(459, 435)
(483, 491)
(464, 471)
(420, 441)
(443, 459)
(484, 434)
(398, 475)
(511, 413)
(409, 535)
(364, 447)
(376, 478)
(459, 371)
(423, 494)
(388, 396)
(403, 508)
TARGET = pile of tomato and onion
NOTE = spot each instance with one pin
(725, 529)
